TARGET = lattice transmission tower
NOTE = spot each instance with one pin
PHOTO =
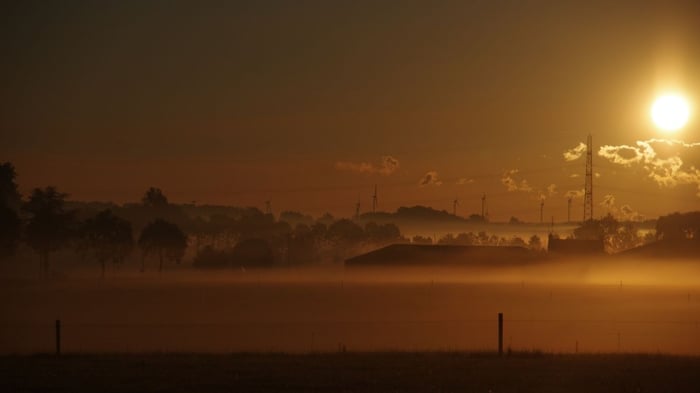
(588, 196)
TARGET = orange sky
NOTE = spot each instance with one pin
(241, 103)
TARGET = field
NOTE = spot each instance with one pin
(575, 326)
(571, 308)
(348, 372)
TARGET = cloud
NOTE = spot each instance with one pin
(608, 201)
(386, 167)
(462, 181)
(512, 184)
(574, 175)
(623, 154)
(667, 162)
(624, 213)
(552, 189)
(573, 194)
(575, 153)
(389, 165)
(430, 179)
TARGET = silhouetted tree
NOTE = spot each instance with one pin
(517, 241)
(476, 218)
(418, 239)
(462, 239)
(615, 235)
(466, 239)
(447, 239)
(108, 237)
(9, 195)
(154, 197)
(535, 242)
(344, 237)
(293, 218)
(425, 213)
(301, 246)
(164, 239)
(345, 231)
(211, 258)
(326, 219)
(253, 253)
(382, 233)
(10, 227)
(50, 225)
(10, 200)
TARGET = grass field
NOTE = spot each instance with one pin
(349, 372)
(308, 311)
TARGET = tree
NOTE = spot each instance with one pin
(9, 196)
(535, 243)
(517, 242)
(293, 218)
(10, 200)
(50, 225)
(345, 230)
(382, 233)
(476, 218)
(418, 239)
(326, 219)
(615, 235)
(154, 197)
(164, 239)
(10, 226)
(252, 253)
(108, 237)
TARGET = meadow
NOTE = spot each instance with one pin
(573, 307)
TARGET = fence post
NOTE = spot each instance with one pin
(58, 337)
(500, 334)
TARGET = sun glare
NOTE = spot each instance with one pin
(670, 112)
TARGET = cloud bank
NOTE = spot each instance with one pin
(386, 167)
(667, 162)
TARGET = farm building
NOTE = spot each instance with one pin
(433, 255)
(575, 247)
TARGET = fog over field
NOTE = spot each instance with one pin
(584, 305)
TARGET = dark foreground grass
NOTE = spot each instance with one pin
(350, 372)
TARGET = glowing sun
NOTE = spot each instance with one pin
(670, 112)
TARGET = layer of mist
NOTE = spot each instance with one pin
(573, 306)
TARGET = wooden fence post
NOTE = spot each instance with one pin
(500, 334)
(58, 337)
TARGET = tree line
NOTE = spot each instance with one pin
(47, 222)
(217, 236)
(45, 225)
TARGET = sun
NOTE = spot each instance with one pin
(670, 112)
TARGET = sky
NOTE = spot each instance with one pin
(309, 104)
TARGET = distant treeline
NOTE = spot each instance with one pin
(220, 236)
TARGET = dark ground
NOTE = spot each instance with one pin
(349, 372)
